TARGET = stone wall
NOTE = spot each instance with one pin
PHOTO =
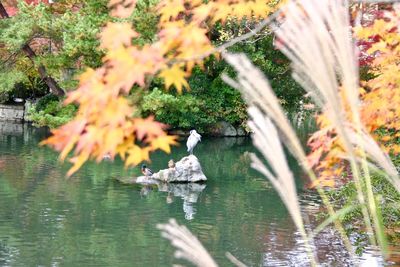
(12, 113)
(11, 128)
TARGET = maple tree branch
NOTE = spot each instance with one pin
(3, 11)
(9, 60)
(245, 36)
(222, 48)
(263, 24)
(51, 83)
(373, 1)
(255, 31)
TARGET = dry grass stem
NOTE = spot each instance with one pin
(235, 261)
(188, 246)
(257, 92)
(266, 139)
(317, 38)
(262, 102)
(376, 154)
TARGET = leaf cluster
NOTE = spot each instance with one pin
(105, 122)
(380, 96)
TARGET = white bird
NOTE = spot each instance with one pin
(192, 141)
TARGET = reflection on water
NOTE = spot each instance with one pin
(93, 220)
(188, 192)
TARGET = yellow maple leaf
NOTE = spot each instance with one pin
(174, 76)
(125, 146)
(241, 10)
(163, 142)
(86, 75)
(260, 8)
(222, 12)
(137, 155)
(78, 162)
(112, 138)
(201, 12)
(147, 127)
(194, 35)
(395, 149)
(323, 182)
(170, 9)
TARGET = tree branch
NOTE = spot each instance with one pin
(51, 83)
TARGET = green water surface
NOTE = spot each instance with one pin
(91, 219)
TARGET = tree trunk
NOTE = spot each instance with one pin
(51, 83)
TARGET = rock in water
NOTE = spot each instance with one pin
(188, 169)
(223, 128)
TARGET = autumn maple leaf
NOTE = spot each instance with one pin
(170, 9)
(174, 76)
(163, 142)
(115, 35)
(121, 8)
(136, 155)
(148, 127)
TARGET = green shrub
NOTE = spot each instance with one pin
(49, 111)
(184, 111)
(52, 107)
(210, 100)
(388, 203)
(42, 102)
(4, 97)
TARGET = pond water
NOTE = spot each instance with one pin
(91, 219)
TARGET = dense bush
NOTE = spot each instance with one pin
(49, 111)
(76, 37)
(210, 100)
(178, 111)
(42, 102)
(388, 197)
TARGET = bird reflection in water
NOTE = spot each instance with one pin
(188, 192)
(145, 190)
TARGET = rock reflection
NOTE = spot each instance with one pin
(188, 192)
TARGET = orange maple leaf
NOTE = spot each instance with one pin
(121, 8)
(78, 162)
(117, 34)
(201, 12)
(148, 127)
